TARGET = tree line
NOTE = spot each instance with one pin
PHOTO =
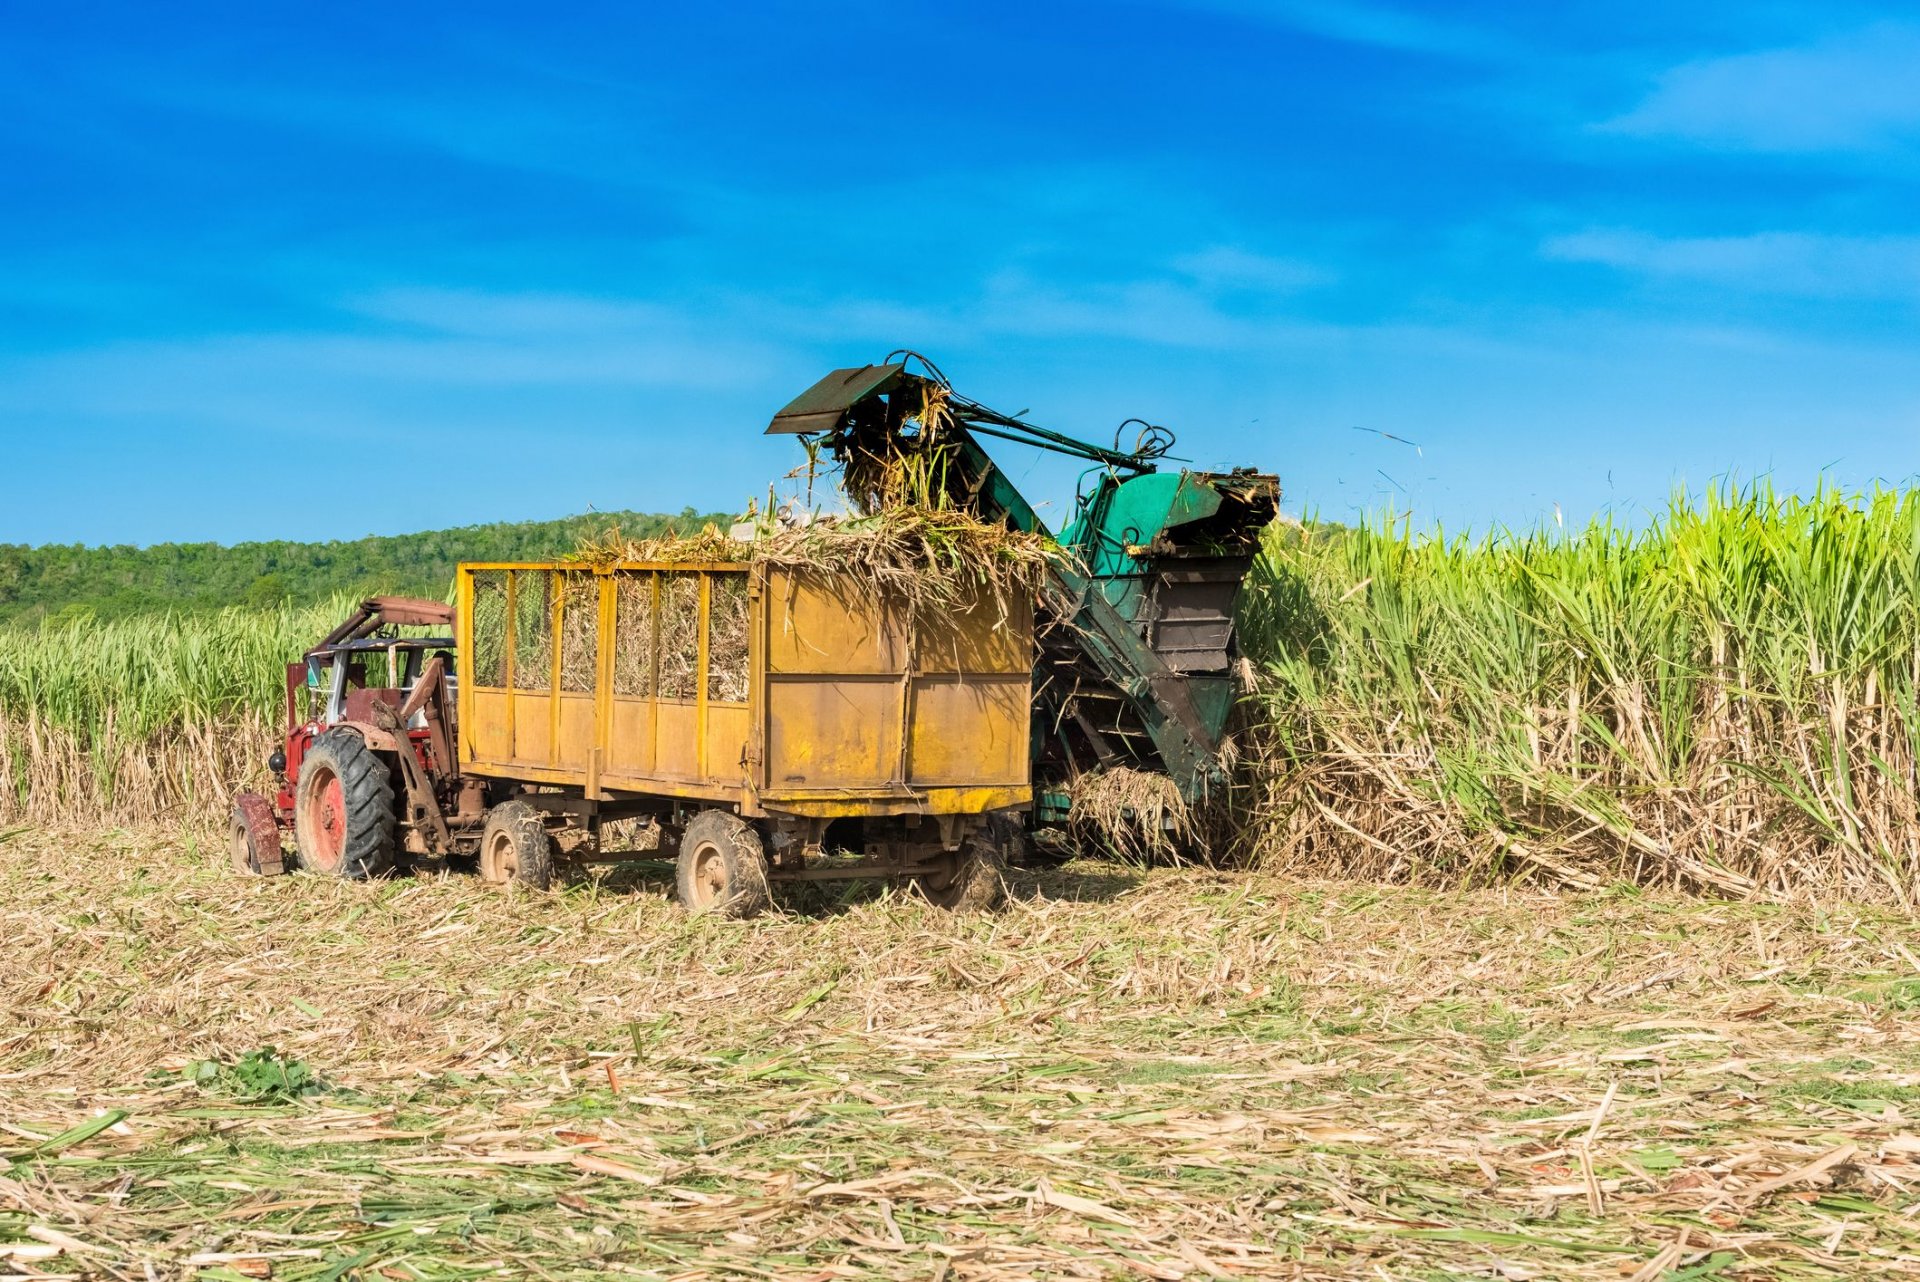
(58, 581)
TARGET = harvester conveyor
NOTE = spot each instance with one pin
(1138, 653)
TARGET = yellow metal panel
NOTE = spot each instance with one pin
(463, 661)
(703, 768)
(654, 591)
(677, 743)
(555, 617)
(726, 742)
(532, 728)
(935, 801)
(630, 741)
(483, 725)
(823, 733)
(846, 722)
(603, 675)
(643, 785)
(809, 628)
(576, 740)
(506, 660)
(984, 636)
(971, 733)
(756, 681)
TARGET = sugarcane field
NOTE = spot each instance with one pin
(1188, 641)
(1391, 980)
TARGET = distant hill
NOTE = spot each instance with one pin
(58, 580)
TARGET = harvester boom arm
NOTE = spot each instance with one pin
(1140, 649)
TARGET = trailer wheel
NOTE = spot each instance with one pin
(515, 847)
(973, 879)
(253, 838)
(722, 867)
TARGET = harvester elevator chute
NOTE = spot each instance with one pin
(1138, 651)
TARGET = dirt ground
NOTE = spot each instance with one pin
(1181, 1074)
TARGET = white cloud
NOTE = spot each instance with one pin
(1154, 312)
(492, 314)
(468, 347)
(1380, 26)
(1794, 263)
(1229, 268)
(1857, 91)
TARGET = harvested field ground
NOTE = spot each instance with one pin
(1172, 1074)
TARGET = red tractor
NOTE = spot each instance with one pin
(368, 771)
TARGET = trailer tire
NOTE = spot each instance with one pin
(343, 817)
(515, 846)
(722, 869)
(974, 879)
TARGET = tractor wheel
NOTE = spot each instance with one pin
(973, 879)
(515, 847)
(253, 837)
(343, 820)
(722, 867)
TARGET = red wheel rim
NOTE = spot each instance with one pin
(327, 821)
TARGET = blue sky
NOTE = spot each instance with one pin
(331, 270)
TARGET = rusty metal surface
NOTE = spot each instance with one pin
(360, 704)
(818, 409)
(255, 838)
(422, 807)
(378, 612)
(412, 612)
(429, 699)
(1190, 615)
(371, 734)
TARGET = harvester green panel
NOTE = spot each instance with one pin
(1143, 593)
(1129, 536)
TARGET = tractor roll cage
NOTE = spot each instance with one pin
(408, 673)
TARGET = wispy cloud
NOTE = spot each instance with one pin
(1856, 91)
(1231, 268)
(537, 316)
(1376, 25)
(466, 346)
(1791, 263)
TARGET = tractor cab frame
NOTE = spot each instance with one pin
(370, 719)
(335, 678)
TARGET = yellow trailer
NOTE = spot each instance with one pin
(770, 718)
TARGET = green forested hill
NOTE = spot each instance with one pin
(36, 582)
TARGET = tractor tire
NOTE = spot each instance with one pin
(343, 815)
(253, 837)
(974, 878)
(722, 869)
(515, 847)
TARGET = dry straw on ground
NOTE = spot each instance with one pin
(1136, 815)
(1174, 1074)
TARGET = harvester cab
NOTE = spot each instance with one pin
(1138, 654)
